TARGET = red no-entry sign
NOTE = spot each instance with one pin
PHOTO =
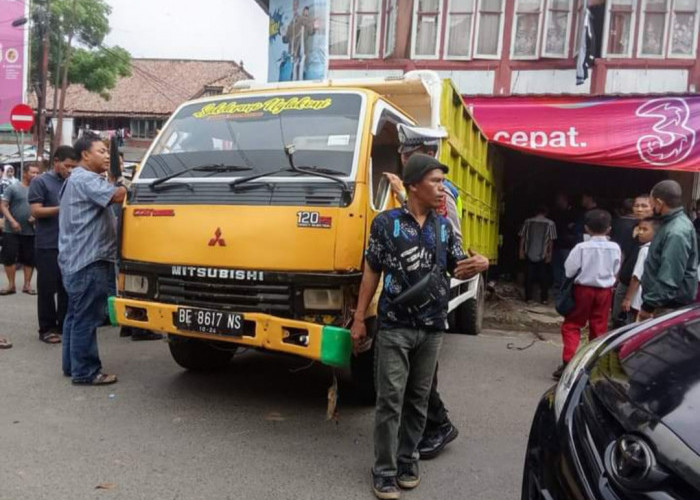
(22, 118)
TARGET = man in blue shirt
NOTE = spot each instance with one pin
(43, 202)
(403, 246)
(87, 249)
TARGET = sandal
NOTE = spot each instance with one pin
(8, 291)
(50, 338)
(5, 344)
(99, 379)
(29, 292)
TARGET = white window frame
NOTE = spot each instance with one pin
(567, 47)
(354, 13)
(472, 26)
(380, 108)
(351, 36)
(390, 12)
(536, 55)
(670, 55)
(640, 34)
(414, 30)
(496, 56)
(606, 32)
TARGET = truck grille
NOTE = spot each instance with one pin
(248, 297)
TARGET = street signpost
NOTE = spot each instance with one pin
(21, 119)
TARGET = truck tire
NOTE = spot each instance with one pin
(362, 368)
(199, 355)
(470, 315)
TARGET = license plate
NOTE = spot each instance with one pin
(208, 321)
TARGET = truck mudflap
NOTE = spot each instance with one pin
(328, 344)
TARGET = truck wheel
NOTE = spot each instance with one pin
(470, 315)
(362, 368)
(199, 355)
(452, 326)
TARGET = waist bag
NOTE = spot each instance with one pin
(418, 293)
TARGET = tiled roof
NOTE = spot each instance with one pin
(155, 88)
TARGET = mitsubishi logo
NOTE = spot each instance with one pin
(217, 239)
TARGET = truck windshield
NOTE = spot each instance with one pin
(252, 132)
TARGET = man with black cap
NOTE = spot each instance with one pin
(439, 430)
(414, 248)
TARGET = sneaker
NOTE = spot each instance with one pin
(556, 375)
(434, 442)
(408, 476)
(385, 487)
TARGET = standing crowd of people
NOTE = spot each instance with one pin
(63, 223)
(640, 264)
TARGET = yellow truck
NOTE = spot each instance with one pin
(247, 221)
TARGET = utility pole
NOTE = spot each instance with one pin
(56, 140)
(43, 77)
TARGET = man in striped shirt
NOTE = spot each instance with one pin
(87, 249)
(536, 241)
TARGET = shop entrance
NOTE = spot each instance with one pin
(530, 181)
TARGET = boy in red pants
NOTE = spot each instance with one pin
(595, 263)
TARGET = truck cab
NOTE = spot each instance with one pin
(247, 221)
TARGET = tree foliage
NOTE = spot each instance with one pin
(98, 70)
(77, 29)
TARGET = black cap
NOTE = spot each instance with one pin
(418, 165)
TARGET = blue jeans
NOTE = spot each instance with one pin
(87, 294)
(111, 287)
(404, 365)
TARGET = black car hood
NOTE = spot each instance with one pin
(654, 376)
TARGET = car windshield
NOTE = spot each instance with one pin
(252, 132)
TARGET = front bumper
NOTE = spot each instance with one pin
(561, 461)
(327, 344)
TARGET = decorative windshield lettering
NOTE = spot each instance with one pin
(274, 106)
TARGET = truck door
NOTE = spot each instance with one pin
(384, 158)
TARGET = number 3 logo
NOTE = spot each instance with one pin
(673, 139)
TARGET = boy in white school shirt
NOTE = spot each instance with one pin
(595, 264)
(633, 298)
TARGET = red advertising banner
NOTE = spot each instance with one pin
(632, 132)
(13, 44)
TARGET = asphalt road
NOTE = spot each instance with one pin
(254, 431)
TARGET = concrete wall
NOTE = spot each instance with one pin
(646, 81)
(467, 82)
(549, 81)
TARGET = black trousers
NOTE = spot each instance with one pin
(537, 272)
(52, 300)
(437, 413)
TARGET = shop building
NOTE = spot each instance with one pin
(519, 57)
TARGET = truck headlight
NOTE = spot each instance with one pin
(572, 372)
(324, 299)
(136, 283)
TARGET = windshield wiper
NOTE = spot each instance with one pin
(326, 173)
(311, 170)
(209, 167)
(243, 180)
(320, 170)
(317, 171)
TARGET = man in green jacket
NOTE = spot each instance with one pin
(670, 278)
